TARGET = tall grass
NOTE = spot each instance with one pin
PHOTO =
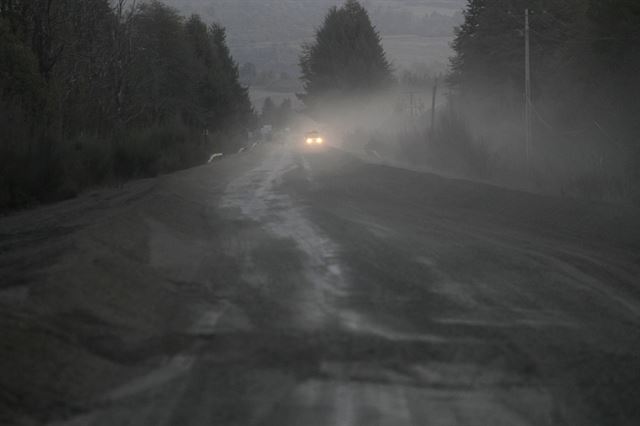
(453, 146)
(494, 151)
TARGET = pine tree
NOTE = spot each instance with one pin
(489, 48)
(463, 44)
(89, 90)
(489, 45)
(346, 57)
(238, 107)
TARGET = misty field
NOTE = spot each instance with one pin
(258, 96)
(407, 50)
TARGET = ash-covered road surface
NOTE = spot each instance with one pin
(278, 287)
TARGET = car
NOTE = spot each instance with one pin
(313, 139)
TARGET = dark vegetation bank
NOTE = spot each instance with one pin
(585, 62)
(99, 91)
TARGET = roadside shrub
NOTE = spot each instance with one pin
(453, 147)
(602, 187)
(18, 179)
(86, 160)
(158, 149)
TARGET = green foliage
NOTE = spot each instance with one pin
(346, 57)
(91, 93)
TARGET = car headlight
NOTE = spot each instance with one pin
(319, 140)
(309, 141)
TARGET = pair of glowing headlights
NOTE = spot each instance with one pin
(314, 140)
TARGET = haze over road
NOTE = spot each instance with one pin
(277, 287)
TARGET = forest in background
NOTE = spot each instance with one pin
(585, 62)
(95, 91)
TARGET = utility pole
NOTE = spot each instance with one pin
(527, 88)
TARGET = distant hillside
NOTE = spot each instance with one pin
(268, 33)
(284, 20)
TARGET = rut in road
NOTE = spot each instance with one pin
(343, 396)
(257, 197)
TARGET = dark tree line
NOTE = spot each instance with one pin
(99, 90)
(402, 21)
(585, 57)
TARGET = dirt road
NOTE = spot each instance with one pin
(278, 287)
